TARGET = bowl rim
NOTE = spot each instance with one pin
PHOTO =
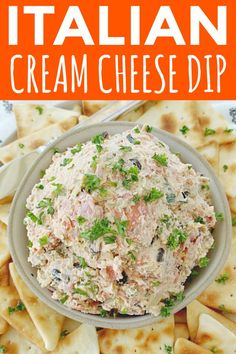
(129, 321)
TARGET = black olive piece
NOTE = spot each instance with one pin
(113, 312)
(160, 254)
(77, 265)
(130, 138)
(136, 163)
(124, 279)
(185, 194)
(56, 274)
(105, 135)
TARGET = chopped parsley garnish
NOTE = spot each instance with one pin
(153, 195)
(129, 241)
(222, 278)
(223, 309)
(21, 146)
(99, 148)
(168, 349)
(81, 220)
(166, 219)
(228, 131)
(132, 256)
(32, 217)
(233, 220)
(80, 292)
(118, 166)
(39, 109)
(148, 129)
(64, 299)
(64, 333)
(82, 262)
(121, 226)
(176, 238)
(43, 240)
(46, 203)
(94, 162)
(137, 130)
(3, 348)
(98, 139)
(30, 244)
(91, 183)
(214, 350)
(103, 313)
(125, 148)
(219, 216)
(66, 161)
(170, 198)
(209, 131)
(59, 189)
(169, 304)
(19, 307)
(136, 142)
(76, 149)
(203, 262)
(161, 159)
(205, 187)
(225, 168)
(52, 179)
(136, 198)
(99, 229)
(155, 283)
(40, 186)
(194, 273)
(199, 219)
(184, 130)
(109, 239)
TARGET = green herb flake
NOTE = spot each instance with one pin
(203, 262)
(125, 148)
(119, 166)
(40, 186)
(121, 226)
(94, 162)
(153, 195)
(155, 283)
(225, 168)
(209, 131)
(233, 220)
(222, 278)
(76, 149)
(55, 150)
(132, 256)
(168, 349)
(52, 179)
(161, 159)
(82, 262)
(81, 220)
(137, 142)
(184, 130)
(109, 239)
(58, 190)
(99, 148)
(199, 220)
(136, 198)
(64, 333)
(32, 217)
(129, 241)
(98, 139)
(30, 244)
(124, 311)
(91, 183)
(66, 161)
(205, 187)
(137, 130)
(165, 311)
(43, 241)
(3, 348)
(39, 109)
(228, 131)
(214, 350)
(103, 313)
(64, 299)
(99, 229)
(21, 146)
(176, 238)
(148, 129)
(219, 216)
(80, 292)
(223, 309)
(19, 307)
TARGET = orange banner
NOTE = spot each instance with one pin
(117, 50)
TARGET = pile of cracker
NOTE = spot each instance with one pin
(207, 325)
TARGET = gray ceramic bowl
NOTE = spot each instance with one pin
(18, 238)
